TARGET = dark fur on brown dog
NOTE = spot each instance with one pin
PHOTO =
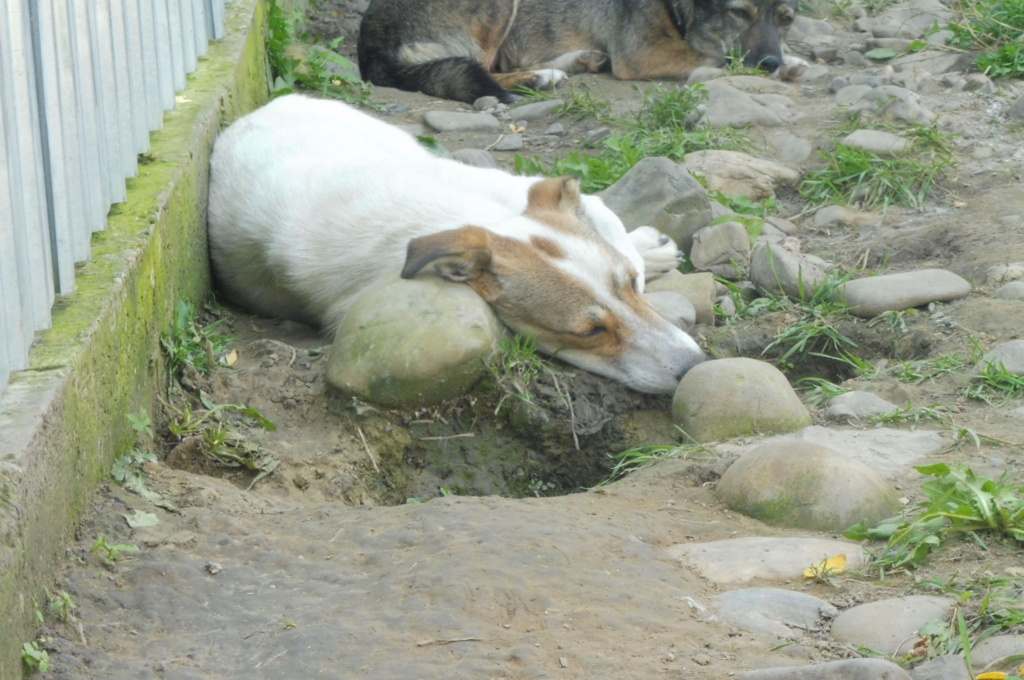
(466, 49)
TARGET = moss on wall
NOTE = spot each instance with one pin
(101, 359)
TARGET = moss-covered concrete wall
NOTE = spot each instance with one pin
(64, 419)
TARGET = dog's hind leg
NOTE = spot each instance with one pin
(580, 61)
(459, 78)
(540, 79)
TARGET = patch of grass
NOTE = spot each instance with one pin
(637, 458)
(912, 415)
(995, 27)
(209, 428)
(918, 371)
(816, 391)
(959, 501)
(664, 126)
(814, 332)
(854, 176)
(994, 385)
(322, 70)
(190, 344)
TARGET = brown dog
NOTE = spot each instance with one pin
(466, 49)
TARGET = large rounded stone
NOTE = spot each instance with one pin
(809, 486)
(731, 397)
(409, 343)
(889, 626)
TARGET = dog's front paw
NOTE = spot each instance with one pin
(659, 252)
(549, 78)
(792, 67)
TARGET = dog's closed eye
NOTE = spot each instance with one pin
(593, 332)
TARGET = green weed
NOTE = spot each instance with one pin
(34, 660)
(994, 26)
(109, 553)
(637, 458)
(816, 391)
(912, 415)
(958, 501)
(285, 36)
(188, 344)
(814, 333)
(516, 367)
(994, 384)
(61, 605)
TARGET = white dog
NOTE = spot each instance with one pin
(312, 201)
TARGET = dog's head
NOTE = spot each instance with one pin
(751, 30)
(552, 276)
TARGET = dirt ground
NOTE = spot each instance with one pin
(457, 542)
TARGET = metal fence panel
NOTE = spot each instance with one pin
(82, 83)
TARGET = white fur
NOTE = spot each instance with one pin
(312, 201)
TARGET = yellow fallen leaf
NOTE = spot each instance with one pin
(833, 565)
(230, 358)
(959, 204)
(991, 675)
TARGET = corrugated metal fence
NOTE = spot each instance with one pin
(82, 83)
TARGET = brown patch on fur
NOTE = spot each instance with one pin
(664, 55)
(548, 247)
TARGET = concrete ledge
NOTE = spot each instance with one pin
(64, 418)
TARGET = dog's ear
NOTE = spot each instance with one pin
(458, 255)
(557, 193)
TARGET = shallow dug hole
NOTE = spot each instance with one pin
(558, 435)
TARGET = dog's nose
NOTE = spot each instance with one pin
(770, 64)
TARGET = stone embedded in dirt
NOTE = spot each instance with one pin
(806, 486)
(510, 142)
(889, 626)
(475, 157)
(730, 106)
(848, 669)
(455, 121)
(944, 667)
(1011, 291)
(735, 173)
(877, 142)
(790, 148)
(698, 288)
(917, 17)
(413, 342)
(776, 269)
(1009, 356)
(856, 405)
(805, 28)
(536, 109)
(673, 307)
(726, 398)
(998, 653)
(736, 561)
(660, 193)
(847, 217)
(1016, 110)
(890, 451)
(1003, 273)
(772, 611)
(872, 295)
(935, 62)
(890, 102)
(722, 249)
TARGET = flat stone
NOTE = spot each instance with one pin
(512, 141)
(856, 405)
(738, 174)
(847, 217)
(997, 652)
(455, 121)
(1009, 355)
(945, 667)
(776, 269)
(698, 288)
(876, 141)
(870, 296)
(475, 157)
(673, 307)
(736, 561)
(1011, 291)
(722, 249)
(889, 626)
(848, 669)
(536, 110)
(771, 611)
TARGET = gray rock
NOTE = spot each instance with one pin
(454, 121)
(413, 342)
(898, 44)
(889, 626)
(537, 110)
(771, 611)
(727, 398)
(914, 18)
(1011, 291)
(736, 561)
(869, 297)
(729, 106)
(806, 486)
(992, 652)
(892, 102)
(856, 405)
(485, 103)
(475, 157)
(512, 141)
(849, 669)
(945, 667)
(673, 307)
(933, 61)
(877, 142)
(555, 129)
(1016, 110)
(722, 249)
(735, 173)
(837, 84)
(1001, 273)
(852, 93)
(698, 288)
(791, 149)
(848, 217)
(805, 28)
(1009, 355)
(980, 83)
(660, 193)
(776, 269)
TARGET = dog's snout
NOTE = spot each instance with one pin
(769, 63)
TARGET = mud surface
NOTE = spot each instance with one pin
(438, 544)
